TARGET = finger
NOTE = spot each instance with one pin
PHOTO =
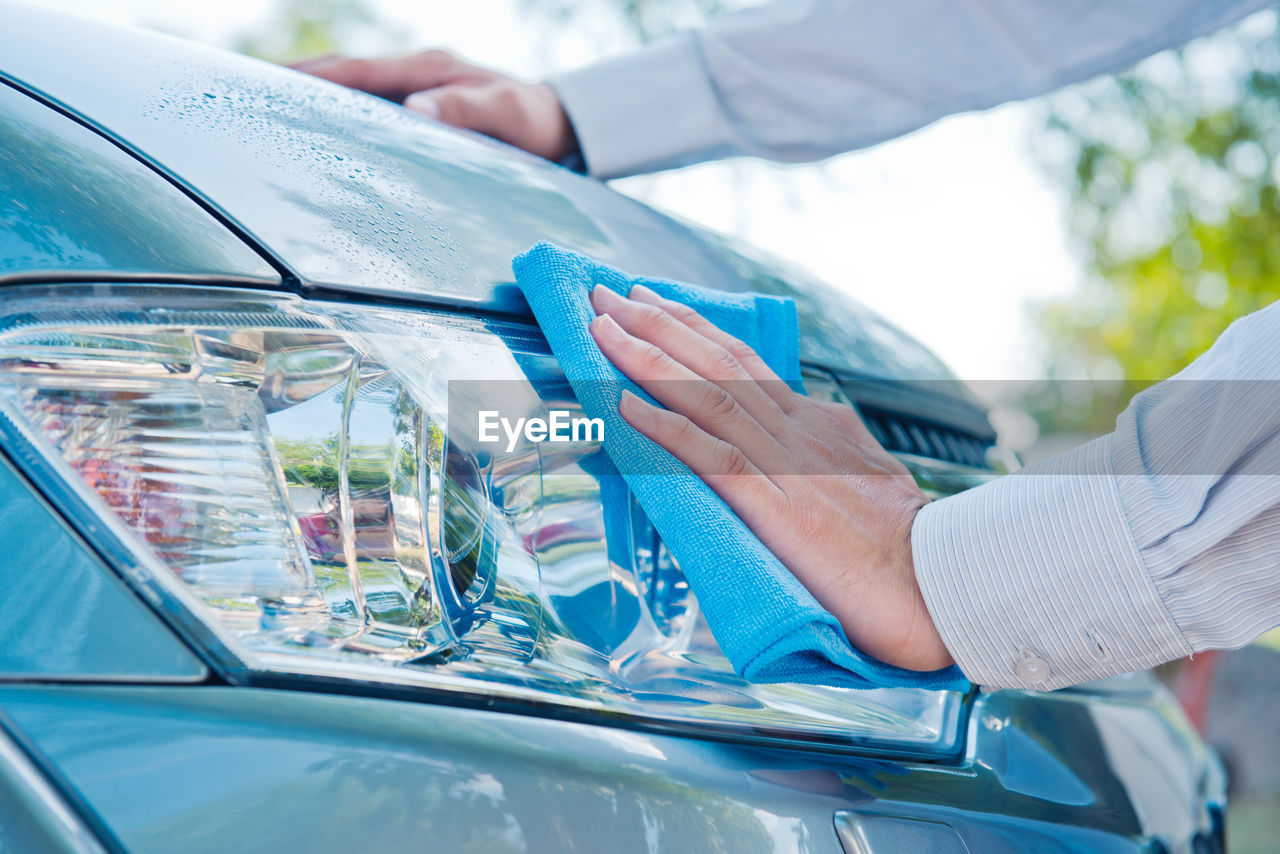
(684, 344)
(306, 65)
(723, 467)
(391, 77)
(477, 108)
(424, 103)
(493, 109)
(677, 388)
(750, 360)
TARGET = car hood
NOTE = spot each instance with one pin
(350, 193)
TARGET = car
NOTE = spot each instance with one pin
(259, 595)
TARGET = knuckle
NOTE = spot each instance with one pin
(684, 431)
(725, 362)
(790, 402)
(731, 461)
(507, 98)
(740, 350)
(652, 359)
(437, 56)
(787, 399)
(446, 104)
(652, 320)
(454, 106)
(718, 405)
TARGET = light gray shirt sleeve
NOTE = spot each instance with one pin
(1157, 541)
(806, 79)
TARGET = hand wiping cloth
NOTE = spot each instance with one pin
(767, 624)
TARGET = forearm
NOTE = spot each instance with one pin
(807, 79)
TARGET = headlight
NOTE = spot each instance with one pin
(278, 476)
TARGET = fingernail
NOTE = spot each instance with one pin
(629, 403)
(602, 297)
(421, 102)
(640, 291)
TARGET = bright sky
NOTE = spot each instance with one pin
(948, 232)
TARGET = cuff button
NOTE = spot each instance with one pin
(1032, 670)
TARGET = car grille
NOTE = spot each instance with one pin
(910, 435)
(897, 414)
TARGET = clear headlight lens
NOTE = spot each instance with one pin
(280, 475)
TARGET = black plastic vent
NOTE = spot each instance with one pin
(957, 433)
(925, 439)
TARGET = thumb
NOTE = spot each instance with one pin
(424, 103)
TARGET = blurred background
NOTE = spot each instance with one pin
(1057, 253)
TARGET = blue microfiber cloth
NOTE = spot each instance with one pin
(767, 624)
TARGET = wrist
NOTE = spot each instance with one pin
(924, 648)
(563, 146)
(878, 600)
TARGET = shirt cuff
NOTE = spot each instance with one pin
(1035, 581)
(650, 110)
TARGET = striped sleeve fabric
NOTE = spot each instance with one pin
(1151, 543)
(805, 79)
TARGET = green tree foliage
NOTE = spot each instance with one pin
(313, 464)
(645, 20)
(1172, 173)
(299, 29)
